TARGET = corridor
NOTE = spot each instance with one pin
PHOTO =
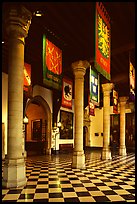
(51, 179)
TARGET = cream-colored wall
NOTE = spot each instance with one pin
(5, 105)
(44, 93)
(96, 125)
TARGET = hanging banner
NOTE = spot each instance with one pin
(67, 93)
(27, 76)
(115, 101)
(94, 87)
(52, 64)
(102, 40)
(132, 81)
(91, 108)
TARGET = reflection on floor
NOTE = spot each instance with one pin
(51, 179)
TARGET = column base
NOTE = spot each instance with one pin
(122, 151)
(106, 154)
(3, 156)
(78, 160)
(25, 154)
(48, 151)
(14, 173)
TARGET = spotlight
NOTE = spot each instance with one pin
(38, 13)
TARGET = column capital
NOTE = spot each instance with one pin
(123, 99)
(132, 106)
(107, 87)
(18, 21)
(79, 67)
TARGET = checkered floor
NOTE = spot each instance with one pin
(51, 179)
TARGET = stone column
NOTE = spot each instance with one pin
(17, 23)
(107, 88)
(79, 70)
(122, 148)
(48, 135)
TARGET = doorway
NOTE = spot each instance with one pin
(85, 131)
(115, 129)
(38, 133)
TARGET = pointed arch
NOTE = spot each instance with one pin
(40, 101)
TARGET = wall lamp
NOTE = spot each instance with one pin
(25, 120)
(59, 124)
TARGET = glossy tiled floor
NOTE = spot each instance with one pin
(51, 179)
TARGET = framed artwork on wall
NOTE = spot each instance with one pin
(66, 130)
(36, 129)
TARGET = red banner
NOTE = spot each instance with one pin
(52, 64)
(91, 108)
(53, 58)
(27, 76)
(102, 35)
(67, 93)
(132, 81)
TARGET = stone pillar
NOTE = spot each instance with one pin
(122, 148)
(107, 88)
(17, 23)
(79, 70)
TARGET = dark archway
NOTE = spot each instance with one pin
(85, 130)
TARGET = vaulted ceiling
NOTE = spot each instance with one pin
(70, 25)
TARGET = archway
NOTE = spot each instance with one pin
(85, 131)
(39, 126)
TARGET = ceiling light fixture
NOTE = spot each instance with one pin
(38, 13)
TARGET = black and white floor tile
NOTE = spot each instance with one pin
(52, 179)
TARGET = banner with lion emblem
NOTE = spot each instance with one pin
(67, 93)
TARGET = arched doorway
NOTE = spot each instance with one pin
(85, 131)
(38, 130)
(115, 129)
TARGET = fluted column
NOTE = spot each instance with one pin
(17, 23)
(107, 88)
(122, 148)
(79, 70)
